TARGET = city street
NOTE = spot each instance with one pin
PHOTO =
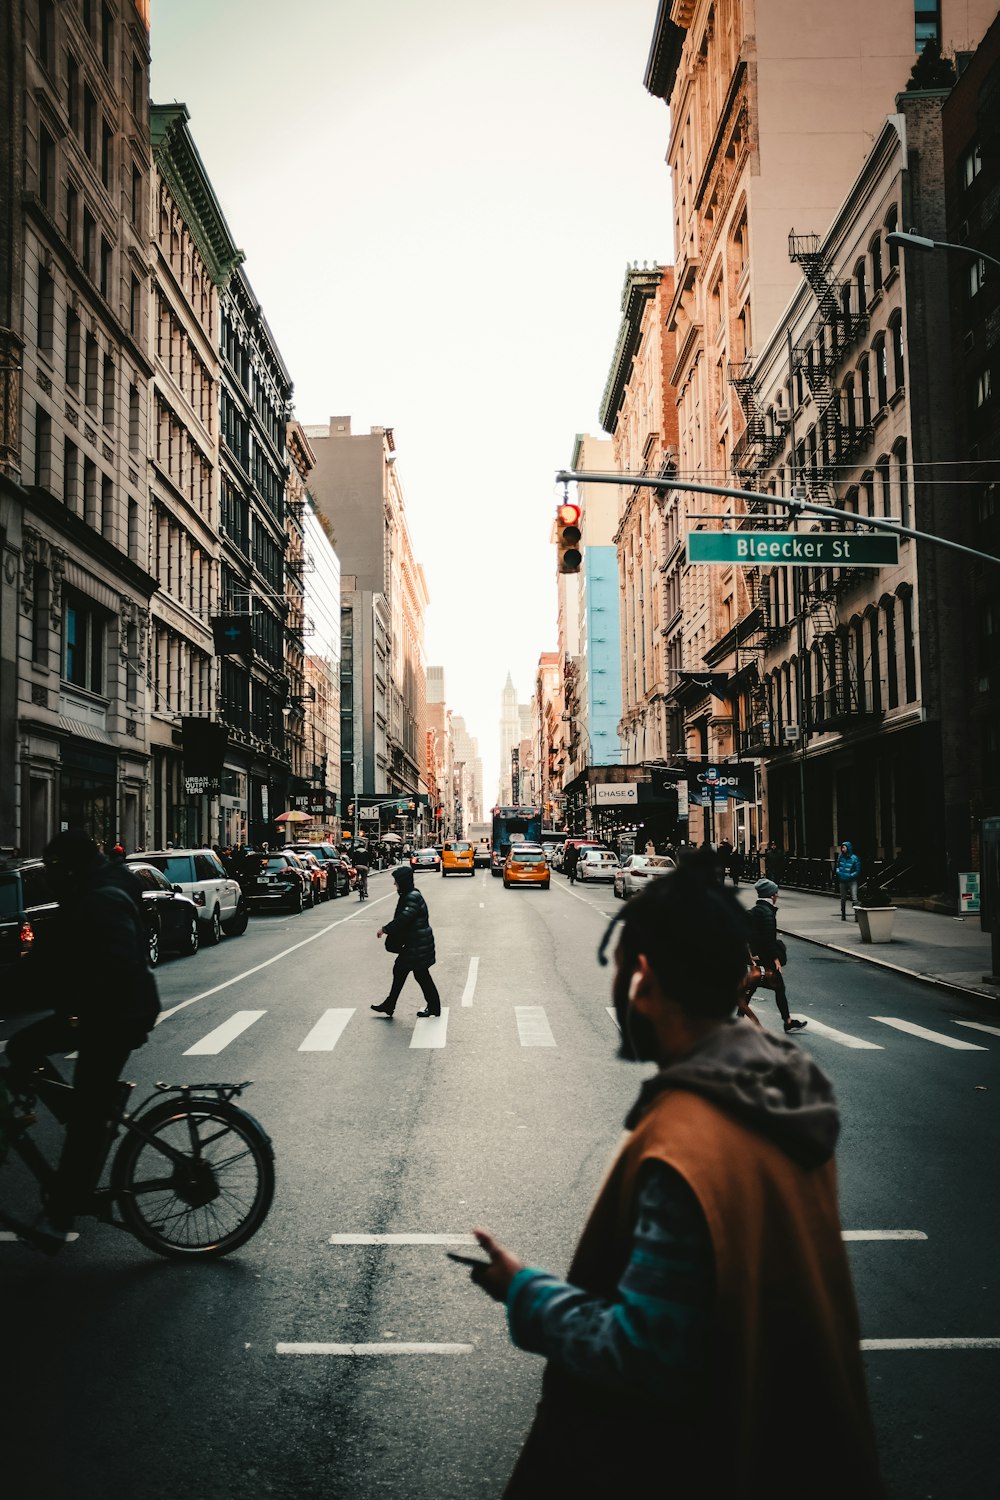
(340, 1353)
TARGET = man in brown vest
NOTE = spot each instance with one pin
(705, 1342)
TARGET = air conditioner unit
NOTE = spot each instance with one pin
(790, 733)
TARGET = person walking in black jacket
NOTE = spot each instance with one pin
(412, 939)
(767, 948)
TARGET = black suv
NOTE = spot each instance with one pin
(277, 881)
(26, 904)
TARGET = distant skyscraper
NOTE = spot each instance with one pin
(510, 735)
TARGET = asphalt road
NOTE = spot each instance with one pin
(138, 1377)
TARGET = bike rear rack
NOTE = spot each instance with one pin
(225, 1091)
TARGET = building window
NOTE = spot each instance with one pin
(976, 276)
(46, 34)
(865, 380)
(46, 309)
(984, 387)
(909, 650)
(90, 493)
(859, 277)
(73, 92)
(90, 375)
(136, 204)
(875, 251)
(133, 419)
(134, 304)
(43, 448)
(106, 138)
(926, 23)
(891, 678)
(72, 350)
(891, 222)
(72, 213)
(107, 36)
(71, 476)
(107, 527)
(972, 165)
(108, 403)
(40, 616)
(138, 91)
(898, 364)
(105, 268)
(83, 644)
(46, 169)
(881, 372)
(902, 482)
(89, 123)
(89, 237)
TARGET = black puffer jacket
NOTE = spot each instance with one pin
(762, 927)
(410, 927)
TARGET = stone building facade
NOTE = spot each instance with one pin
(639, 412)
(74, 281)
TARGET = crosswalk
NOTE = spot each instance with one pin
(531, 1026)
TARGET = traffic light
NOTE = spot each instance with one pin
(568, 537)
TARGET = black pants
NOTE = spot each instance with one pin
(84, 1109)
(776, 982)
(428, 988)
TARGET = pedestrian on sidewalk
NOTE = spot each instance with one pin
(409, 935)
(713, 1258)
(769, 951)
(846, 872)
(737, 864)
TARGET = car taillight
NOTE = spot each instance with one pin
(26, 936)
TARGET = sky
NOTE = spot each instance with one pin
(438, 203)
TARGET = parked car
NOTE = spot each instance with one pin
(278, 882)
(317, 874)
(596, 864)
(638, 870)
(171, 917)
(526, 865)
(425, 859)
(338, 881)
(199, 873)
(458, 857)
(26, 904)
(308, 893)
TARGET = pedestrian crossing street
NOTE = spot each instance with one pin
(532, 1026)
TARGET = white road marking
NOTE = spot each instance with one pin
(432, 1031)
(929, 1036)
(980, 1026)
(402, 1239)
(883, 1234)
(874, 1344)
(359, 1349)
(613, 1014)
(843, 1037)
(470, 983)
(533, 1029)
(327, 1032)
(8, 1237)
(216, 1040)
(248, 973)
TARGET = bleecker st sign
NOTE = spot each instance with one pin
(815, 549)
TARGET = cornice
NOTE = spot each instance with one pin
(665, 49)
(177, 158)
(640, 286)
(87, 543)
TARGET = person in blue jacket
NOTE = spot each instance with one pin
(846, 873)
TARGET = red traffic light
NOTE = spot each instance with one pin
(569, 514)
(568, 536)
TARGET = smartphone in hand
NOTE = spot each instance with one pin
(467, 1260)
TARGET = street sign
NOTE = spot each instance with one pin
(811, 549)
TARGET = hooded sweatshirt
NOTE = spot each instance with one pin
(709, 1281)
(848, 864)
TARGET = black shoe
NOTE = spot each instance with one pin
(422, 1015)
(794, 1025)
(385, 1009)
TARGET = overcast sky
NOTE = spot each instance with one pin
(438, 203)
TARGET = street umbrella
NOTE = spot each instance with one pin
(293, 817)
(391, 838)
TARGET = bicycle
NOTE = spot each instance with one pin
(362, 883)
(192, 1175)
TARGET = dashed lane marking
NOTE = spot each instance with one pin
(883, 1234)
(876, 1344)
(929, 1036)
(818, 1028)
(327, 1032)
(222, 1035)
(349, 1350)
(402, 1239)
(533, 1029)
(432, 1031)
(980, 1026)
(470, 983)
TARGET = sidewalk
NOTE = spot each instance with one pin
(942, 950)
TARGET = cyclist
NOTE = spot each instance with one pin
(91, 969)
(359, 859)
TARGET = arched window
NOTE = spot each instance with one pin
(859, 277)
(884, 497)
(905, 594)
(891, 673)
(865, 383)
(902, 482)
(891, 221)
(896, 341)
(873, 665)
(881, 372)
(875, 252)
(850, 409)
(851, 501)
(866, 501)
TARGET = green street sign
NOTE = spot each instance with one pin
(811, 549)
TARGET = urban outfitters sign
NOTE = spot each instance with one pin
(815, 549)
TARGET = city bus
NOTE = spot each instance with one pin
(513, 825)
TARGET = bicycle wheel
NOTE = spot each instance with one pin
(213, 1200)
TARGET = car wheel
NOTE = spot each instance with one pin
(192, 941)
(153, 942)
(237, 925)
(297, 902)
(506, 885)
(215, 929)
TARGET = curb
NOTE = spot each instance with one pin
(880, 963)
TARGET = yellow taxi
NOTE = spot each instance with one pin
(458, 856)
(526, 865)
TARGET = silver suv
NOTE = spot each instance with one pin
(200, 874)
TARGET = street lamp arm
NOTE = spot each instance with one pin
(794, 504)
(909, 241)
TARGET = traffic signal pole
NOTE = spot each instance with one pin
(794, 504)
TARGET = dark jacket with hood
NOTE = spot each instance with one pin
(410, 929)
(848, 866)
(762, 927)
(749, 1122)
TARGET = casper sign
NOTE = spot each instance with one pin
(814, 549)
